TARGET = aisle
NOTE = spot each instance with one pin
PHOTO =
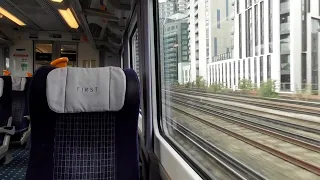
(17, 168)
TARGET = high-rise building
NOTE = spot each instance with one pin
(273, 40)
(175, 48)
(182, 6)
(174, 41)
(167, 9)
(211, 24)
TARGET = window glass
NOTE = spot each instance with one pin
(70, 51)
(136, 65)
(43, 55)
(233, 75)
(135, 52)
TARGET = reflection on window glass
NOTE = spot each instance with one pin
(232, 79)
(136, 66)
(135, 52)
(46, 52)
(43, 55)
(7, 63)
(70, 51)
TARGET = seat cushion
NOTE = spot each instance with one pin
(5, 103)
(87, 145)
(18, 106)
(84, 146)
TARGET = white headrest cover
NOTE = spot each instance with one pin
(18, 83)
(1, 86)
(74, 90)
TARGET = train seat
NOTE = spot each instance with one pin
(6, 128)
(20, 87)
(84, 124)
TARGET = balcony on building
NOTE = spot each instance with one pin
(232, 15)
(196, 8)
(223, 56)
(285, 28)
(284, 7)
(284, 47)
(232, 2)
(232, 30)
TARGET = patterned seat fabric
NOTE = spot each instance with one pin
(85, 145)
(5, 104)
(19, 110)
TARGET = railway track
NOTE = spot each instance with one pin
(301, 125)
(246, 134)
(283, 106)
(282, 99)
(245, 120)
(231, 168)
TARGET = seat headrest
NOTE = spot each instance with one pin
(74, 90)
(18, 83)
(1, 86)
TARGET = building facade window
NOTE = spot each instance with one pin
(261, 69)
(255, 71)
(304, 24)
(238, 6)
(239, 64)
(240, 37)
(218, 18)
(230, 84)
(303, 70)
(227, 9)
(315, 25)
(270, 5)
(234, 73)
(243, 69)
(256, 27)
(285, 82)
(249, 69)
(262, 27)
(215, 46)
(268, 67)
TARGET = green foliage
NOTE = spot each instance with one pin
(200, 82)
(245, 84)
(267, 89)
(217, 87)
(188, 85)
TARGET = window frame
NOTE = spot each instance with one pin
(132, 33)
(158, 97)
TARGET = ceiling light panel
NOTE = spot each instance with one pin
(11, 17)
(69, 18)
(58, 1)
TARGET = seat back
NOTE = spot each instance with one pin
(84, 124)
(20, 86)
(5, 102)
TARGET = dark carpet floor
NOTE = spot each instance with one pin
(16, 169)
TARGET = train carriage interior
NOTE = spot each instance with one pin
(159, 89)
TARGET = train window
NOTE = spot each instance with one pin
(135, 52)
(233, 113)
(134, 44)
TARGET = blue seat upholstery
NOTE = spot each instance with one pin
(81, 145)
(6, 130)
(20, 111)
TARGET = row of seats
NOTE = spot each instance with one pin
(14, 124)
(84, 124)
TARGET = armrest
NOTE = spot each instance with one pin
(8, 130)
(27, 117)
